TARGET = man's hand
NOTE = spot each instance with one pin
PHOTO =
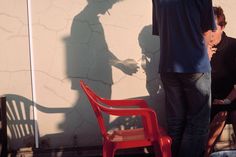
(211, 50)
(221, 102)
(208, 37)
(218, 102)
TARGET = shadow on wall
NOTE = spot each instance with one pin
(80, 121)
(20, 120)
(150, 48)
(88, 57)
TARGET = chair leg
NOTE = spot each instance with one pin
(166, 151)
(156, 149)
(108, 149)
(162, 149)
(233, 120)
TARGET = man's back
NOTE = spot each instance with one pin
(180, 24)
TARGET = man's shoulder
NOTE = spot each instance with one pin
(231, 39)
(230, 42)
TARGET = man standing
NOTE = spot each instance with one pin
(184, 27)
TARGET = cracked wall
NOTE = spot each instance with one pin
(98, 41)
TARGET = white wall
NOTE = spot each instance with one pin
(75, 40)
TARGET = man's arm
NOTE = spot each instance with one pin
(231, 97)
(208, 37)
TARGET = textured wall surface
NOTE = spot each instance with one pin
(99, 41)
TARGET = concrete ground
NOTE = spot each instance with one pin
(225, 142)
(78, 152)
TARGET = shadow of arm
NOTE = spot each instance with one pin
(51, 110)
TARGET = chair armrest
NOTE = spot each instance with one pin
(127, 111)
(149, 118)
(127, 102)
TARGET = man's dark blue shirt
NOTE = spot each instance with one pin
(180, 25)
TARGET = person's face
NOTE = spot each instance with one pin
(216, 35)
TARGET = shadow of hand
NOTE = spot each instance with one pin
(128, 66)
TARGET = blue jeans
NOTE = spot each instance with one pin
(188, 101)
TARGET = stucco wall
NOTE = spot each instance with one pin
(74, 40)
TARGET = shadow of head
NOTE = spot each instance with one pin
(103, 5)
(149, 44)
(150, 47)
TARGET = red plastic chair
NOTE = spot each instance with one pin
(150, 135)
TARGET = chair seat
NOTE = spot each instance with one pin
(127, 135)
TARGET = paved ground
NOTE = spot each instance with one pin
(77, 152)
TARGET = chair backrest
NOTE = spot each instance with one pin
(95, 103)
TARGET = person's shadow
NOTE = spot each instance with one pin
(88, 58)
(150, 47)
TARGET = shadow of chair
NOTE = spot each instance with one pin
(149, 135)
(20, 121)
